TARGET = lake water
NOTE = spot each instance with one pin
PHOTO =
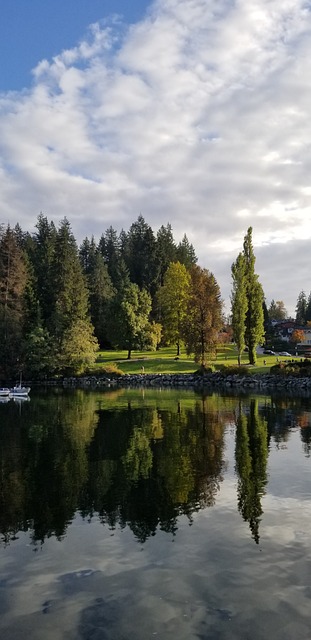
(136, 515)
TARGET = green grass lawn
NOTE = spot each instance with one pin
(163, 361)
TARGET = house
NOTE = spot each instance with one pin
(304, 348)
(285, 328)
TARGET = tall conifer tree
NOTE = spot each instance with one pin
(140, 255)
(99, 286)
(166, 252)
(71, 326)
(301, 308)
(185, 253)
(13, 278)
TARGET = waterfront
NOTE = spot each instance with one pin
(141, 514)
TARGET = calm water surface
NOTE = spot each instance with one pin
(131, 515)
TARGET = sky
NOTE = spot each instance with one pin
(192, 112)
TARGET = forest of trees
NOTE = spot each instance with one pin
(60, 302)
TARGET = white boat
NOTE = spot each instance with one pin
(19, 391)
(4, 392)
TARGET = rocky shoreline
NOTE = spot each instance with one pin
(264, 382)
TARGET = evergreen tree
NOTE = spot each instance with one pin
(165, 252)
(38, 353)
(204, 315)
(123, 244)
(85, 252)
(101, 292)
(70, 322)
(41, 255)
(301, 308)
(185, 253)
(239, 303)
(99, 286)
(37, 343)
(308, 309)
(13, 278)
(140, 255)
(109, 247)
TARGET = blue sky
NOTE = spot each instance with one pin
(34, 29)
(193, 112)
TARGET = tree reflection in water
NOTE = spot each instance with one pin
(134, 460)
(251, 453)
(139, 466)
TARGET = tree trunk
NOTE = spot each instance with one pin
(252, 355)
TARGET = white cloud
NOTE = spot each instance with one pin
(197, 115)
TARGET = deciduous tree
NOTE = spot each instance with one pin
(277, 310)
(239, 303)
(297, 336)
(128, 317)
(203, 320)
(173, 300)
(254, 324)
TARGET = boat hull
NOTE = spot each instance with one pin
(20, 392)
(4, 392)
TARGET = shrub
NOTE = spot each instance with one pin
(294, 368)
(111, 370)
(203, 370)
(235, 370)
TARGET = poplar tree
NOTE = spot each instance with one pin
(251, 454)
(254, 319)
(239, 303)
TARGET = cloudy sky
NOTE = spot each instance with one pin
(193, 112)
